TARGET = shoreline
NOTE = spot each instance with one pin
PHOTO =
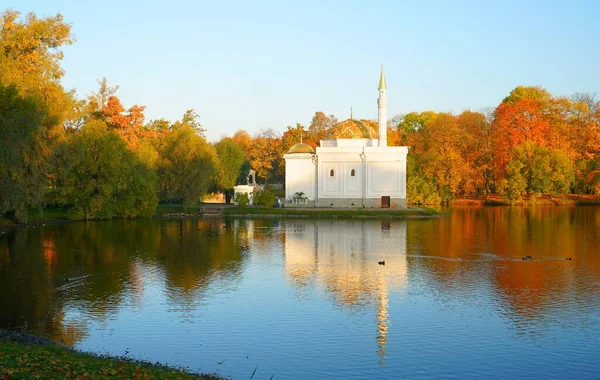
(332, 213)
(412, 212)
(41, 354)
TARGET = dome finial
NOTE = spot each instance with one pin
(382, 85)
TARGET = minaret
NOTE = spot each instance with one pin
(382, 106)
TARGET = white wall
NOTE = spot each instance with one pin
(386, 178)
(300, 177)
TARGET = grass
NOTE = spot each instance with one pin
(57, 214)
(26, 361)
(332, 213)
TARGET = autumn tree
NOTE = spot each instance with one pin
(475, 130)
(319, 126)
(243, 139)
(292, 136)
(265, 155)
(99, 100)
(104, 105)
(30, 56)
(442, 157)
(514, 124)
(126, 123)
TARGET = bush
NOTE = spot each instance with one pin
(242, 199)
(265, 198)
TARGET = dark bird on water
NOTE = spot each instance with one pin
(381, 262)
(568, 258)
(528, 257)
(67, 280)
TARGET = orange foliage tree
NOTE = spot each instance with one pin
(512, 126)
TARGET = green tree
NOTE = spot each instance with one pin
(515, 183)
(25, 147)
(411, 124)
(536, 169)
(187, 167)
(33, 106)
(420, 189)
(102, 179)
(231, 159)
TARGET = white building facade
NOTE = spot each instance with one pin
(360, 171)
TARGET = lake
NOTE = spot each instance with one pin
(304, 299)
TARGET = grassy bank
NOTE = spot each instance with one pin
(56, 214)
(331, 213)
(19, 360)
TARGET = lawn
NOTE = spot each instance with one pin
(48, 361)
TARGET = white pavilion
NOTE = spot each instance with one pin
(353, 167)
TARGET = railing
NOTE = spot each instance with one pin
(211, 211)
(298, 201)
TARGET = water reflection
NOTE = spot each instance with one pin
(283, 293)
(56, 280)
(482, 248)
(343, 258)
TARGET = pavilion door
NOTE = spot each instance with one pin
(385, 201)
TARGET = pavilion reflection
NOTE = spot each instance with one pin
(342, 258)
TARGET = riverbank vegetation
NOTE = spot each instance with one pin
(19, 360)
(97, 158)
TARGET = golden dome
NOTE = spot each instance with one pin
(353, 129)
(301, 148)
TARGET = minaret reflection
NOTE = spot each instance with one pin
(342, 257)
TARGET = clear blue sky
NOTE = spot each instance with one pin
(254, 65)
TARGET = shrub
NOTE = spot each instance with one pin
(265, 198)
(242, 199)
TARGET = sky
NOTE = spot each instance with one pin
(269, 64)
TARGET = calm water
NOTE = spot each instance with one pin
(307, 299)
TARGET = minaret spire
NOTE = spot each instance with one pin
(351, 113)
(382, 85)
(382, 107)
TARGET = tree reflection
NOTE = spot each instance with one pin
(476, 248)
(56, 279)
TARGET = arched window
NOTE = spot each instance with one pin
(331, 173)
(352, 173)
